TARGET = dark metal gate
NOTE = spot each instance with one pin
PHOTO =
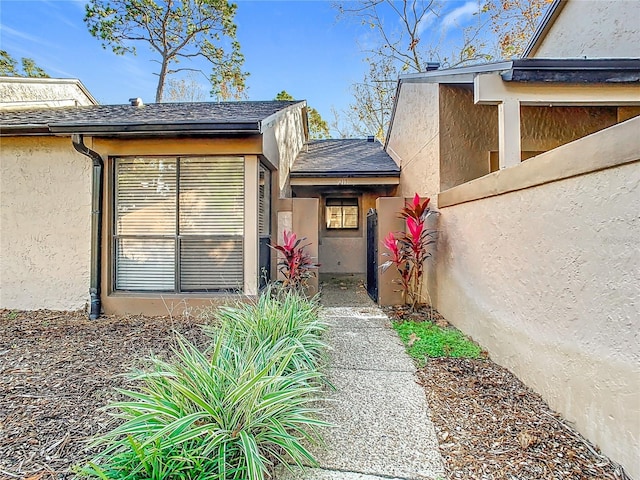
(372, 254)
(264, 263)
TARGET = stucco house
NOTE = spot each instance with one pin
(150, 208)
(534, 165)
(146, 204)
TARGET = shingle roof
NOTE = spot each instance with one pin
(344, 157)
(155, 117)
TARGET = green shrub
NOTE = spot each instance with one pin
(424, 339)
(290, 319)
(230, 413)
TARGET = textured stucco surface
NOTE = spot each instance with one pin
(468, 132)
(594, 29)
(414, 139)
(45, 223)
(546, 279)
(47, 92)
(305, 224)
(282, 140)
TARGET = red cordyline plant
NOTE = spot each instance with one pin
(409, 250)
(295, 264)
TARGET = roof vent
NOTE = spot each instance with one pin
(136, 102)
(432, 66)
(371, 138)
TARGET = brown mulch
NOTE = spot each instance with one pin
(491, 426)
(56, 370)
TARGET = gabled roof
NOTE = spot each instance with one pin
(533, 70)
(543, 27)
(157, 119)
(344, 158)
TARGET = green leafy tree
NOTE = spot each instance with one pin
(9, 67)
(318, 127)
(176, 30)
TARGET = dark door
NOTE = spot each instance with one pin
(372, 254)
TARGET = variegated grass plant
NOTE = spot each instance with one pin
(287, 318)
(230, 413)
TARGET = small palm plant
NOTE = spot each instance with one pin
(296, 265)
(410, 250)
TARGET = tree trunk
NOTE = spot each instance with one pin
(162, 76)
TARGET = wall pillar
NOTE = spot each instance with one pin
(251, 236)
(509, 133)
(388, 221)
(305, 224)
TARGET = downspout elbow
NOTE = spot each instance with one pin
(96, 223)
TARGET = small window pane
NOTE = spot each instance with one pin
(342, 213)
(212, 196)
(145, 264)
(211, 264)
(145, 196)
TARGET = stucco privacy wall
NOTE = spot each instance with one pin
(593, 29)
(282, 140)
(414, 139)
(546, 278)
(305, 225)
(469, 132)
(45, 220)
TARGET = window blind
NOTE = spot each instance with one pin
(179, 224)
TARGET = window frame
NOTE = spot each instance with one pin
(350, 201)
(176, 237)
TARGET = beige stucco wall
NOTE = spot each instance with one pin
(414, 139)
(342, 251)
(283, 138)
(594, 29)
(45, 224)
(546, 278)
(305, 224)
(469, 132)
(18, 92)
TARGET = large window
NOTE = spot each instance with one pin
(179, 224)
(342, 213)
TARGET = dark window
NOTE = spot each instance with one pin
(342, 213)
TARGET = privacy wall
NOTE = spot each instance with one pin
(539, 264)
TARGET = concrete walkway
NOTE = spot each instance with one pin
(382, 425)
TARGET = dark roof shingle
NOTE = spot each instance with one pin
(155, 116)
(344, 157)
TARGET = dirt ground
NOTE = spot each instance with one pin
(58, 369)
(491, 426)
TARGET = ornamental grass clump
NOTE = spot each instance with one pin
(232, 412)
(287, 318)
(409, 250)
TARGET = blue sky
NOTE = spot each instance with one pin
(298, 46)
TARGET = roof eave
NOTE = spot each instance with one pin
(346, 174)
(244, 128)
